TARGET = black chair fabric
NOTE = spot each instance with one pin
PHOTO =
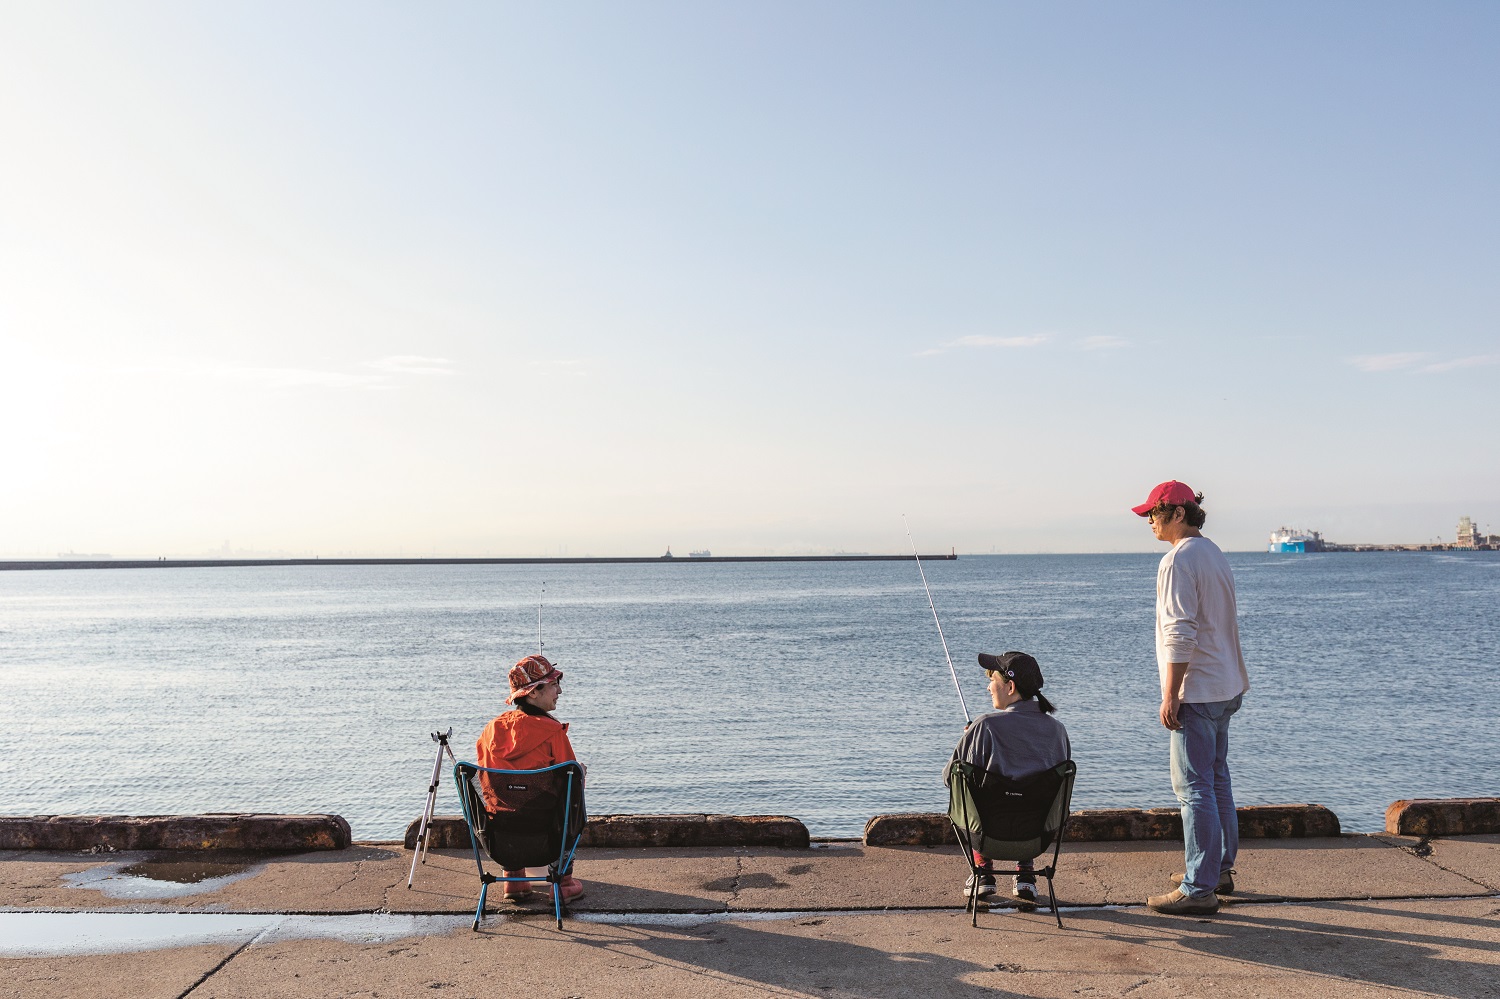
(1006, 819)
(518, 817)
(521, 819)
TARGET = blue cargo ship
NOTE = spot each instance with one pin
(1292, 540)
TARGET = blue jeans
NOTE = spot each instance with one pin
(1200, 778)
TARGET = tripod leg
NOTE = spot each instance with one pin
(420, 853)
(437, 778)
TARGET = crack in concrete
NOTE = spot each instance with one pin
(220, 966)
(385, 897)
(1422, 850)
(734, 890)
(352, 878)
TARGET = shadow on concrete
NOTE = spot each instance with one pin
(361, 854)
(736, 954)
(602, 896)
(1392, 957)
(456, 877)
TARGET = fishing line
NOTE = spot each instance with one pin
(539, 618)
(928, 590)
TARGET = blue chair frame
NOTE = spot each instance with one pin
(472, 801)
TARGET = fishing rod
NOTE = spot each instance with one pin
(928, 590)
(539, 618)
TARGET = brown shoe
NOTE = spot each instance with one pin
(1226, 882)
(1175, 903)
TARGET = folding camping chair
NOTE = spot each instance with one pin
(1006, 819)
(523, 818)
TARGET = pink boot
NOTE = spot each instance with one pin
(517, 891)
(571, 888)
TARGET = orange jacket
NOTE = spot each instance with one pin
(518, 741)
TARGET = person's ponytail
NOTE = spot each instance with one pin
(1042, 702)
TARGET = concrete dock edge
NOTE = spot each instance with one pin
(300, 833)
(1443, 817)
(214, 831)
(623, 831)
(1103, 825)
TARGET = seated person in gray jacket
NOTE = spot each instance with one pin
(1019, 739)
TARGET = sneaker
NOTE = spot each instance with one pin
(1025, 894)
(986, 885)
(1175, 903)
(1226, 882)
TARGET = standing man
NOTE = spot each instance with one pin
(1203, 680)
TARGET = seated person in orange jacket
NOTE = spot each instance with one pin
(528, 738)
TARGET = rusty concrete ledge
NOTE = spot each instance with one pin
(449, 831)
(215, 831)
(1101, 825)
(1443, 817)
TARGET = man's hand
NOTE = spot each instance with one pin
(1169, 705)
(1171, 696)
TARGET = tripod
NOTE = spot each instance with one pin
(441, 738)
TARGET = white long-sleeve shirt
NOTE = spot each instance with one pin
(1197, 622)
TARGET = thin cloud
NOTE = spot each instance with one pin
(411, 364)
(388, 370)
(575, 366)
(1000, 341)
(267, 377)
(1475, 361)
(1103, 343)
(1386, 362)
(304, 378)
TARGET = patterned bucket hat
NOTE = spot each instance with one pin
(529, 674)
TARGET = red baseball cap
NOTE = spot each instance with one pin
(1172, 493)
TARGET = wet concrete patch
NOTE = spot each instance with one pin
(43, 934)
(192, 869)
(169, 875)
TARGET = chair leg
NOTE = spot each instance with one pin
(1053, 896)
(484, 889)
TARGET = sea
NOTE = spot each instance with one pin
(817, 689)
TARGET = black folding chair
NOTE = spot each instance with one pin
(523, 818)
(1004, 819)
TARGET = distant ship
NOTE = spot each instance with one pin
(1289, 539)
(705, 553)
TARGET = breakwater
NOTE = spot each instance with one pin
(205, 563)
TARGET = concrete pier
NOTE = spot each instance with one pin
(1344, 916)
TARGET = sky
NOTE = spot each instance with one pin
(600, 278)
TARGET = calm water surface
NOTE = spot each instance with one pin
(812, 689)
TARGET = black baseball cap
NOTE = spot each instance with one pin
(1016, 666)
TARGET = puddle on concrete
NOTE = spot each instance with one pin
(191, 868)
(49, 934)
(168, 875)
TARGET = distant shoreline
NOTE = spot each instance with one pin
(203, 563)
